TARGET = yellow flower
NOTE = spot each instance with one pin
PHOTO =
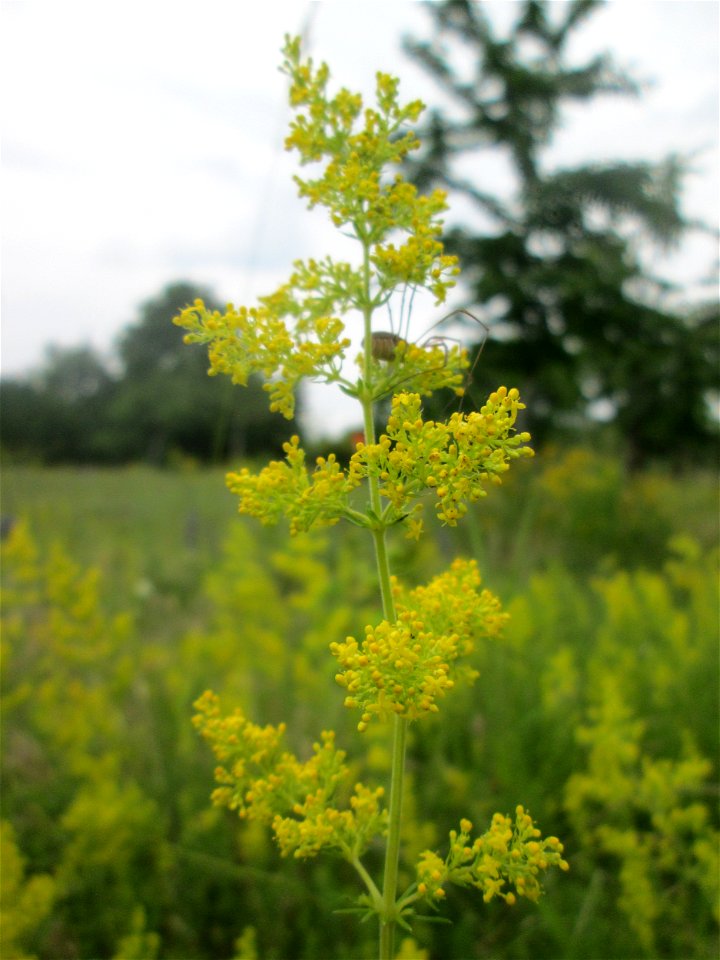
(404, 668)
(510, 852)
(455, 460)
(265, 782)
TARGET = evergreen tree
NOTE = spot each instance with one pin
(552, 269)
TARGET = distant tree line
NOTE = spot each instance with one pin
(152, 402)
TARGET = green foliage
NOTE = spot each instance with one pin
(54, 415)
(603, 701)
(178, 524)
(585, 507)
(24, 904)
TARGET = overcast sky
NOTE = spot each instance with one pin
(141, 143)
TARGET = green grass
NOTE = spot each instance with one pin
(154, 521)
(146, 529)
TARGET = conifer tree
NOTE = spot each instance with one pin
(554, 269)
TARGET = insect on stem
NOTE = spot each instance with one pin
(386, 344)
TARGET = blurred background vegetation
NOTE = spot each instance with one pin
(152, 402)
(554, 271)
(128, 590)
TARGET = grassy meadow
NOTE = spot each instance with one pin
(128, 592)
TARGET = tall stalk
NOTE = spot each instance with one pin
(405, 665)
(387, 916)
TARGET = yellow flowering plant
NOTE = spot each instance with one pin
(404, 666)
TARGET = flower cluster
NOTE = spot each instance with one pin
(353, 186)
(510, 854)
(454, 599)
(263, 781)
(454, 460)
(404, 667)
(55, 630)
(317, 826)
(296, 332)
(243, 342)
(287, 489)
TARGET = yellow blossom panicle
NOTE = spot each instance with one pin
(405, 667)
(358, 145)
(296, 332)
(454, 599)
(454, 460)
(317, 826)
(287, 489)
(242, 342)
(265, 782)
(506, 861)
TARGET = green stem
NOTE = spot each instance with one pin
(392, 851)
(383, 569)
(388, 913)
(368, 881)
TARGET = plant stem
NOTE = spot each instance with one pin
(392, 849)
(367, 880)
